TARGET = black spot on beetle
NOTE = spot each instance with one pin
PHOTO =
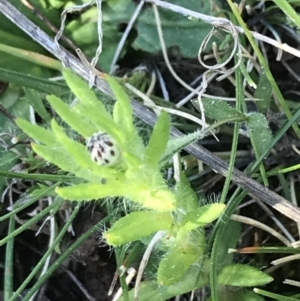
(109, 143)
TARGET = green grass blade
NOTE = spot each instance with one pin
(45, 256)
(9, 262)
(33, 57)
(64, 256)
(29, 201)
(27, 224)
(36, 176)
(289, 11)
(214, 258)
(36, 83)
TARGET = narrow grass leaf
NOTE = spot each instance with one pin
(33, 57)
(286, 7)
(264, 64)
(36, 83)
(243, 275)
(158, 140)
(137, 225)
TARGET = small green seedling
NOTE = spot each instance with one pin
(115, 162)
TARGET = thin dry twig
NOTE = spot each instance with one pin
(219, 166)
(41, 16)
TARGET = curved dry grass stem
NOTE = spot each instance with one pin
(286, 259)
(57, 37)
(291, 282)
(252, 222)
(156, 238)
(125, 36)
(212, 70)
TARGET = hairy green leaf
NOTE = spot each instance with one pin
(243, 275)
(86, 95)
(263, 92)
(158, 140)
(175, 264)
(137, 225)
(71, 117)
(36, 132)
(122, 108)
(151, 290)
(185, 194)
(101, 123)
(123, 117)
(202, 216)
(219, 110)
(75, 149)
(153, 198)
(261, 136)
(92, 191)
(61, 158)
(176, 144)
